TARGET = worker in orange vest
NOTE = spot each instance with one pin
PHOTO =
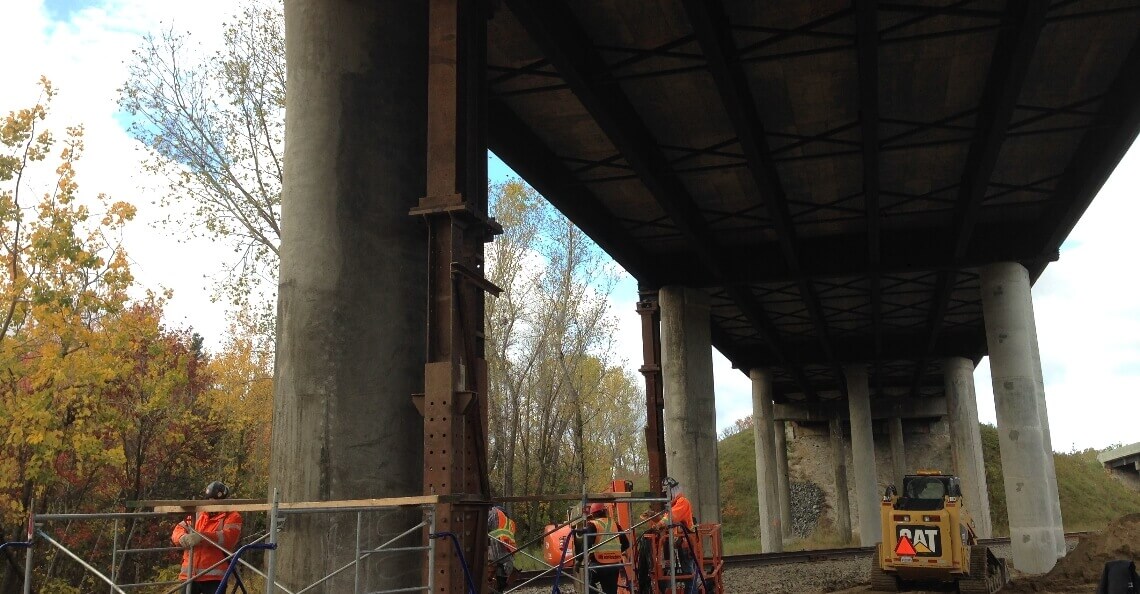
(203, 560)
(606, 541)
(501, 531)
(681, 516)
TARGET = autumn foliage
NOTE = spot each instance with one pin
(100, 403)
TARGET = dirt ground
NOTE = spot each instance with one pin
(1080, 570)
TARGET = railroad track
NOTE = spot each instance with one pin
(760, 559)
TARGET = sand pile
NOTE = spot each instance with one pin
(1084, 564)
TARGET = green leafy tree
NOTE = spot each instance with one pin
(560, 405)
(100, 403)
(214, 125)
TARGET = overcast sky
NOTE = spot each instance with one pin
(1087, 304)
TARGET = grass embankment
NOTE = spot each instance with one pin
(1090, 498)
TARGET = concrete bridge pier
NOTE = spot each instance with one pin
(783, 487)
(839, 462)
(966, 440)
(863, 454)
(767, 469)
(353, 281)
(898, 450)
(690, 405)
(1026, 452)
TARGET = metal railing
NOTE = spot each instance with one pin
(409, 540)
(581, 558)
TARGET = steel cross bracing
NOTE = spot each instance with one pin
(874, 286)
(554, 28)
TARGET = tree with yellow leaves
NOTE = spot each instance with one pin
(63, 274)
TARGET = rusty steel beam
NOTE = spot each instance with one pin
(454, 403)
(714, 35)
(650, 313)
(897, 346)
(554, 29)
(1012, 56)
(525, 153)
(902, 251)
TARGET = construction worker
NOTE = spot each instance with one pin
(679, 506)
(203, 560)
(501, 545)
(606, 542)
(681, 517)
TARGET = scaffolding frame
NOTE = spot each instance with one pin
(581, 559)
(277, 511)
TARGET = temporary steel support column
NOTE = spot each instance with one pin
(650, 313)
(454, 403)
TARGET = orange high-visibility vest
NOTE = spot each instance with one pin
(223, 528)
(682, 512)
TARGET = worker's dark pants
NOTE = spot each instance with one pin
(606, 576)
(204, 587)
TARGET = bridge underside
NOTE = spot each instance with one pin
(832, 174)
(818, 189)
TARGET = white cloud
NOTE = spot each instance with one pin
(84, 55)
(1087, 307)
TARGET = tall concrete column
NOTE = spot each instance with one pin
(690, 406)
(767, 472)
(1047, 440)
(1026, 453)
(898, 450)
(352, 293)
(782, 478)
(863, 454)
(966, 440)
(839, 461)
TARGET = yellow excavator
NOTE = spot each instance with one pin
(928, 536)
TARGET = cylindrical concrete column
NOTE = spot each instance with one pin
(898, 450)
(1025, 452)
(782, 478)
(966, 440)
(353, 281)
(767, 483)
(690, 406)
(1047, 440)
(839, 461)
(863, 454)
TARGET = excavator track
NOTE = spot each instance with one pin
(882, 581)
(988, 574)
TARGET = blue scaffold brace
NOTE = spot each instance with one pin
(462, 560)
(234, 563)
